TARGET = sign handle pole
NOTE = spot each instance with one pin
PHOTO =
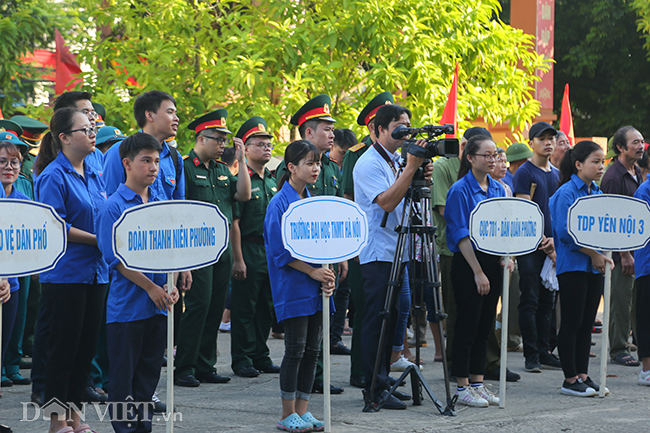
(170, 358)
(1, 304)
(327, 413)
(604, 350)
(505, 304)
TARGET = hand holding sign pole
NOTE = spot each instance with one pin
(324, 230)
(506, 227)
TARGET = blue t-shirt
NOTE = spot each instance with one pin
(462, 198)
(126, 301)
(569, 258)
(642, 256)
(14, 285)
(169, 184)
(78, 200)
(547, 184)
(295, 294)
(507, 179)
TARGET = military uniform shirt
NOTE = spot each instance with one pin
(349, 160)
(328, 182)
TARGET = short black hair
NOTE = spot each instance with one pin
(388, 113)
(313, 124)
(344, 138)
(69, 99)
(228, 155)
(131, 146)
(620, 138)
(149, 101)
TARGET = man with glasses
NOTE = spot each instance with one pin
(208, 180)
(251, 302)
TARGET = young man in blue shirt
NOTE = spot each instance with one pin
(137, 302)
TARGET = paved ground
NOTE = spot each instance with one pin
(252, 405)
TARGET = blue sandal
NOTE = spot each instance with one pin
(294, 424)
(318, 425)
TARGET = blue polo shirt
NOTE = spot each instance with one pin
(642, 256)
(569, 258)
(126, 302)
(372, 176)
(78, 200)
(295, 294)
(169, 184)
(462, 198)
(96, 161)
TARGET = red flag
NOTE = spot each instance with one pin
(43, 59)
(566, 120)
(66, 66)
(450, 114)
(1, 116)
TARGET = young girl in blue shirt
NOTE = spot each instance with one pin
(579, 270)
(296, 288)
(74, 291)
(476, 277)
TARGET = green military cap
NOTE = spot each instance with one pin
(317, 107)
(517, 151)
(253, 127)
(369, 112)
(101, 114)
(610, 149)
(10, 131)
(215, 120)
(33, 130)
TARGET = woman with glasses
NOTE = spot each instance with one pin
(476, 277)
(73, 292)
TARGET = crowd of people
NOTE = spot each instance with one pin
(96, 331)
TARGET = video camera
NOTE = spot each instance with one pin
(447, 147)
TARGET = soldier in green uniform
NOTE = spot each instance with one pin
(251, 302)
(209, 180)
(33, 132)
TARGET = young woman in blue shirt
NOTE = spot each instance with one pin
(579, 270)
(296, 288)
(75, 289)
(476, 277)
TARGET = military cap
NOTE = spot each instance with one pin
(33, 130)
(101, 114)
(11, 137)
(370, 110)
(215, 120)
(10, 131)
(106, 133)
(317, 107)
(518, 151)
(253, 127)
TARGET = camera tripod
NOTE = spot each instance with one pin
(416, 228)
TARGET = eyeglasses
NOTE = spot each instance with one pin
(89, 113)
(13, 163)
(220, 140)
(88, 132)
(263, 145)
(489, 157)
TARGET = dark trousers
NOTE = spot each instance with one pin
(449, 302)
(341, 301)
(41, 348)
(9, 311)
(33, 301)
(535, 305)
(579, 298)
(135, 354)
(75, 318)
(642, 316)
(375, 287)
(250, 305)
(358, 300)
(196, 351)
(302, 340)
(14, 352)
(475, 313)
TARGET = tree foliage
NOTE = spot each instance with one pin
(268, 57)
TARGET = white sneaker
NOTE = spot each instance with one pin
(401, 364)
(470, 398)
(224, 327)
(409, 333)
(644, 378)
(486, 394)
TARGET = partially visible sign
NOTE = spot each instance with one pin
(609, 222)
(506, 226)
(33, 238)
(170, 236)
(324, 229)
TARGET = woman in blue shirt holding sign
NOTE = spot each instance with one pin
(296, 288)
(477, 279)
(579, 270)
(74, 291)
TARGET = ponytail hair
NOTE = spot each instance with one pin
(578, 153)
(62, 121)
(472, 146)
(296, 152)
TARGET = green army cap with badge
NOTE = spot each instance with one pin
(370, 110)
(33, 130)
(253, 127)
(101, 114)
(317, 107)
(10, 131)
(215, 120)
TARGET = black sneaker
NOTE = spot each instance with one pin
(590, 383)
(550, 361)
(578, 389)
(533, 366)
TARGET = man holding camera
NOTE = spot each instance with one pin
(377, 189)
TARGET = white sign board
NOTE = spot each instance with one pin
(170, 236)
(609, 222)
(32, 238)
(506, 226)
(324, 229)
